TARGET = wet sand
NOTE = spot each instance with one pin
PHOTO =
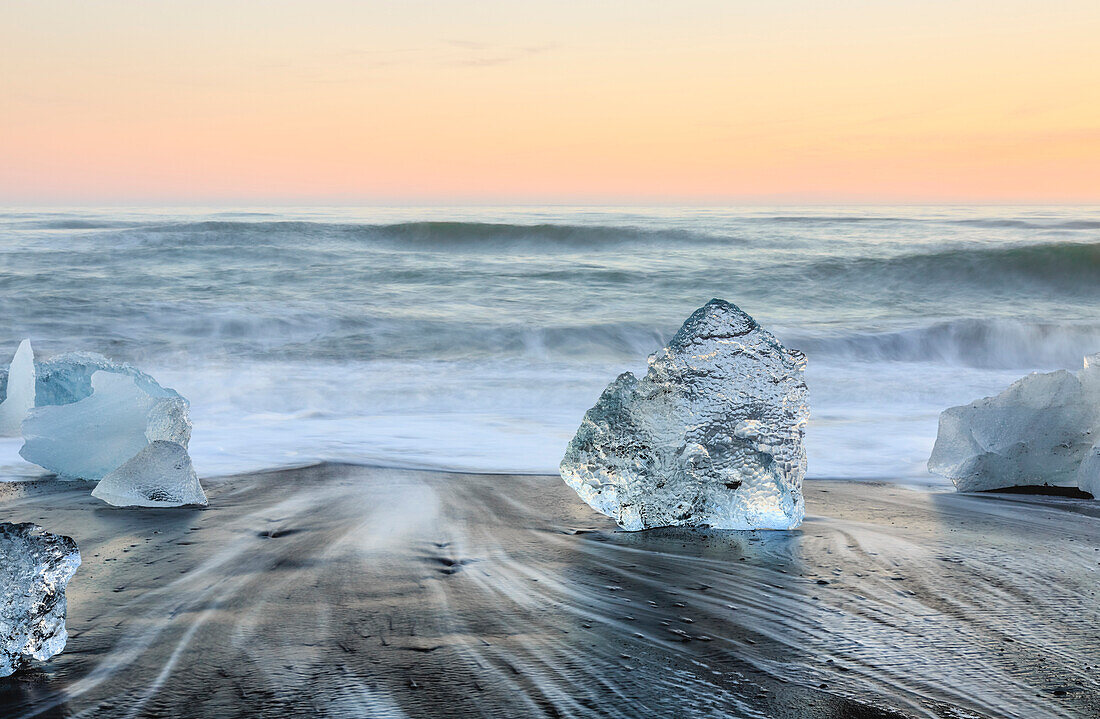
(346, 591)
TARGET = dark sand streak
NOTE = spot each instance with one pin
(344, 591)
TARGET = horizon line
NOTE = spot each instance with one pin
(533, 202)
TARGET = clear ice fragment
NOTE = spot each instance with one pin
(90, 437)
(160, 475)
(35, 568)
(19, 392)
(711, 436)
(1043, 430)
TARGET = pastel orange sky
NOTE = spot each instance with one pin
(544, 100)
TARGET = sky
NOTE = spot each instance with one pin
(695, 101)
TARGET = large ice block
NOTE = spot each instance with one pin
(35, 568)
(1041, 431)
(711, 436)
(18, 391)
(89, 437)
(160, 475)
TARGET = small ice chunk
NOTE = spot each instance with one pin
(35, 568)
(160, 475)
(95, 435)
(712, 435)
(19, 394)
(1039, 431)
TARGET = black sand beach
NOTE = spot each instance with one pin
(348, 591)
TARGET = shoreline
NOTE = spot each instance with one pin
(344, 590)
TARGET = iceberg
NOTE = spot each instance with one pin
(160, 475)
(116, 416)
(1044, 430)
(712, 435)
(19, 391)
(35, 568)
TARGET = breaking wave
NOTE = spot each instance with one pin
(476, 338)
(989, 343)
(981, 267)
(984, 222)
(1032, 224)
(390, 338)
(442, 235)
(1069, 260)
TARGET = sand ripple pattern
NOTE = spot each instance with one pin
(342, 591)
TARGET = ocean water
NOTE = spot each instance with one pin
(475, 338)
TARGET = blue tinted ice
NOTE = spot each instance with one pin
(1043, 430)
(712, 435)
(67, 378)
(114, 418)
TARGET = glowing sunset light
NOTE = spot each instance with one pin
(550, 101)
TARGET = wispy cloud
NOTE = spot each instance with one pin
(356, 64)
(471, 53)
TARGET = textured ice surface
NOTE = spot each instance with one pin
(19, 391)
(67, 378)
(35, 567)
(160, 475)
(1042, 430)
(90, 437)
(712, 435)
